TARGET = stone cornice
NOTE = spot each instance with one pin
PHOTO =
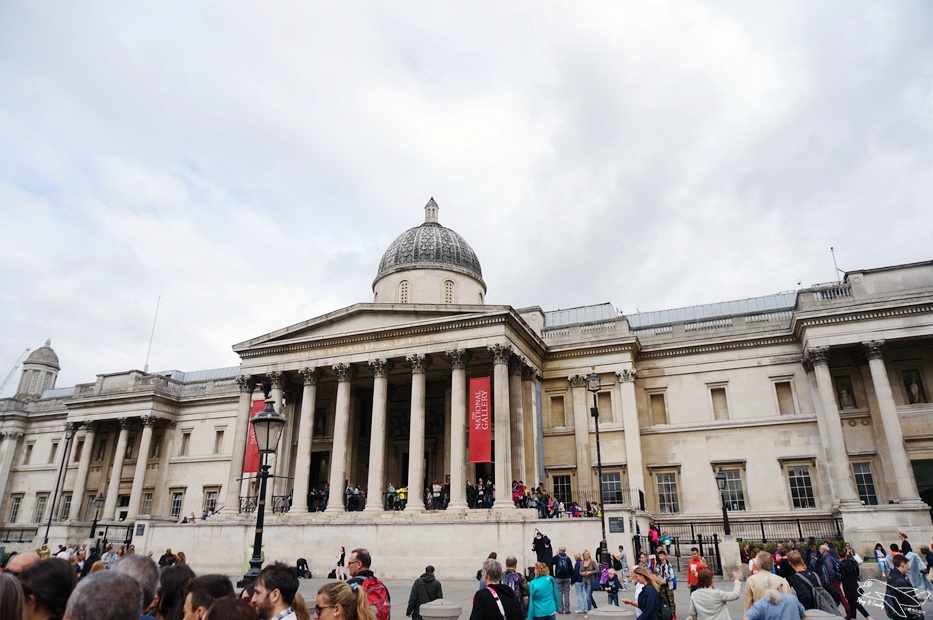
(804, 320)
(589, 350)
(712, 347)
(131, 398)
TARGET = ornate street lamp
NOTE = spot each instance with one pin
(268, 427)
(70, 430)
(593, 383)
(98, 502)
(721, 483)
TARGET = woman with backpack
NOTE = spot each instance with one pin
(668, 579)
(336, 600)
(543, 597)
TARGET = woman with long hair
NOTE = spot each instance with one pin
(543, 596)
(231, 608)
(338, 601)
(881, 557)
(649, 599)
(588, 569)
(848, 568)
(300, 607)
(11, 597)
(338, 571)
(46, 588)
(577, 581)
(173, 588)
(708, 603)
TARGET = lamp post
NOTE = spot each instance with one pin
(593, 383)
(70, 430)
(721, 483)
(268, 427)
(98, 503)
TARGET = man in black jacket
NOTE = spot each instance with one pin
(900, 599)
(802, 580)
(425, 589)
(495, 601)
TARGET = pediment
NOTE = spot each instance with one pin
(370, 319)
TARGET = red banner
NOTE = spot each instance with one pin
(480, 421)
(251, 456)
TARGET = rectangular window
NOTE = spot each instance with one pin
(720, 403)
(147, 503)
(15, 502)
(177, 498)
(185, 441)
(79, 446)
(785, 397)
(562, 489)
(38, 514)
(210, 499)
(865, 483)
(733, 494)
(557, 411)
(668, 501)
(65, 513)
(801, 487)
(612, 488)
(658, 406)
(53, 452)
(90, 508)
(27, 453)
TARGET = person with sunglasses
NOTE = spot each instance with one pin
(338, 601)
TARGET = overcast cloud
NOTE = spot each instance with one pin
(250, 162)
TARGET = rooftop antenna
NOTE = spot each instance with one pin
(838, 270)
(151, 334)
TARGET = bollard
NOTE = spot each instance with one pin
(611, 612)
(440, 610)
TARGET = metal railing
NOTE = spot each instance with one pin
(18, 534)
(765, 530)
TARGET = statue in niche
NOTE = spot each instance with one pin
(433, 423)
(844, 393)
(398, 426)
(320, 419)
(913, 387)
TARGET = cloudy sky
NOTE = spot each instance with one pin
(250, 162)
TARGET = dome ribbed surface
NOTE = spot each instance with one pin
(44, 355)
(430, 245)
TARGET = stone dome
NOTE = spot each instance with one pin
(44, 356)
(430, 246)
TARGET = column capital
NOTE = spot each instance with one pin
(516, 364)
(419, 363)
(529, 373)
(345, 372)
(627, 375)
(275, 379)
(577, 381)
(873, 350)
(91, 427)
(459, 358)
(245, 383)
(149, 420)
(381, 367)
(310, 375)
(814, 356)
(500, 353)
(14, 435)
(124, 423)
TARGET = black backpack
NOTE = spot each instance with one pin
(564, 567)
(822, 599)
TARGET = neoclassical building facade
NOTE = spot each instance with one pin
(813, 404)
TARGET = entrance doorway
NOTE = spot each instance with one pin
(923, 474)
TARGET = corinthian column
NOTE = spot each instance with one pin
(893, 434)
(338, 458)
(517, 417)
(119, 455)
(843, 484)
(142, 460)
(419, 365)
(503, 425)
(311, 376)
(532, 411)
(77, 495)
(581, 434)
(377, 435)
(6, 458)
(633, 459)
(458, 358)
(240, 431)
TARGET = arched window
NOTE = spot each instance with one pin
(403, 292)
(449, 291)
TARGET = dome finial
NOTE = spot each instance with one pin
(430, 212)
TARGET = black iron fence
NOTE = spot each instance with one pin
(17, 534)
(764, 530)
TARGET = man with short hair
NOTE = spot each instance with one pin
(495, 601)
(562, 569)
(105, 595)
(756, 585)
(276, 586)
(803, 581)
(515, 580)
(109, 557)
(693, 568)
(829, 564)
(144, 570)
(202, 592)
(900, 601)
(425, 589)
(358, 565)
